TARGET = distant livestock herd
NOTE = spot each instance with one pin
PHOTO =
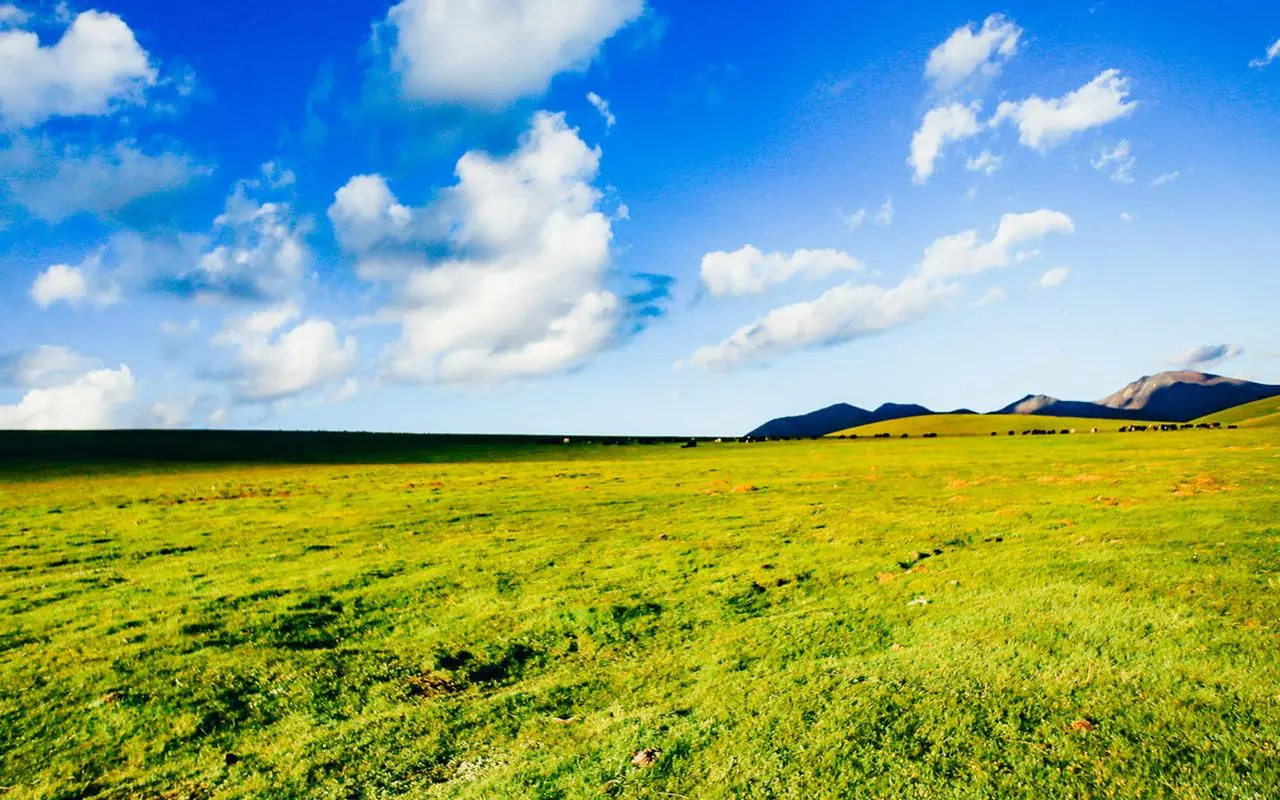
(693, 442)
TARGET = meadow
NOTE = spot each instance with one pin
(1075, 616)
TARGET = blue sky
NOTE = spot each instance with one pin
(624, 216)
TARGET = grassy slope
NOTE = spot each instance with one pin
(980, 425)
(518, 629)
(1258, 413)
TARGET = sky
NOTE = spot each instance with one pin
(624, 216)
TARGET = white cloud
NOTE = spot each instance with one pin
(1168, 177)
(43, 367)
(940, 127)
(88, 401)
(600, 104)
(993, 295)
(56, 184)
(1118, 161)
(1125, 216)
(1206, 356)
(964, 254)
(985, 162)
(853, 221)
(12, 17)
(365, 213)
(274, 362)
(254, 251)
(749, 271)
(1052, 278)
(505, 276)
(1273, 52)
(969, 50)
(490, 52)
(85, 283)
(845, 312)
(884, 217)
(264, 255)
(850, 311)
(1043, 124)
(276, 176)
(96, 66)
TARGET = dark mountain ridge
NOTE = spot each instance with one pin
(1177, 396)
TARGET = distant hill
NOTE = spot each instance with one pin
(834, 418)
(1043, 405)
(1183, 396)
(1179, 396)
(831, 418)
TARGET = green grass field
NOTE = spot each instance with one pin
(1084, 616)
(981, 425)
(1261, 413)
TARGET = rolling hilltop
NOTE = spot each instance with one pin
(1180, 396)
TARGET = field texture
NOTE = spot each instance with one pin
(983, 425)
(1083, 616)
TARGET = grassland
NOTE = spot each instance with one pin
(1086, 616)
(981, 425)
(1261, 413)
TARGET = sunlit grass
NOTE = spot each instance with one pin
(1082, 616)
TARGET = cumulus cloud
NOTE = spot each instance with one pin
(600, 104)
(504, 275)
(365, 213)
(275, 361)
(940, 127)
(1052, 278)
(750, 271)
(970, 50)
(1043, 124)
(884, 217)
(1273, 52)
(261, 254)
(43, 367)
(1118, 161)
(1206, 356)
(83, 402)
(490, 52)
(985, 162)
(255, 251)
(94, 68)
(75, 285)
(850, 311)
(1168, 177)
(55, 183)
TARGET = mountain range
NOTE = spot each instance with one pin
(1179, 396)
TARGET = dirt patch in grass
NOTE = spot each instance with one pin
(1201, 484)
